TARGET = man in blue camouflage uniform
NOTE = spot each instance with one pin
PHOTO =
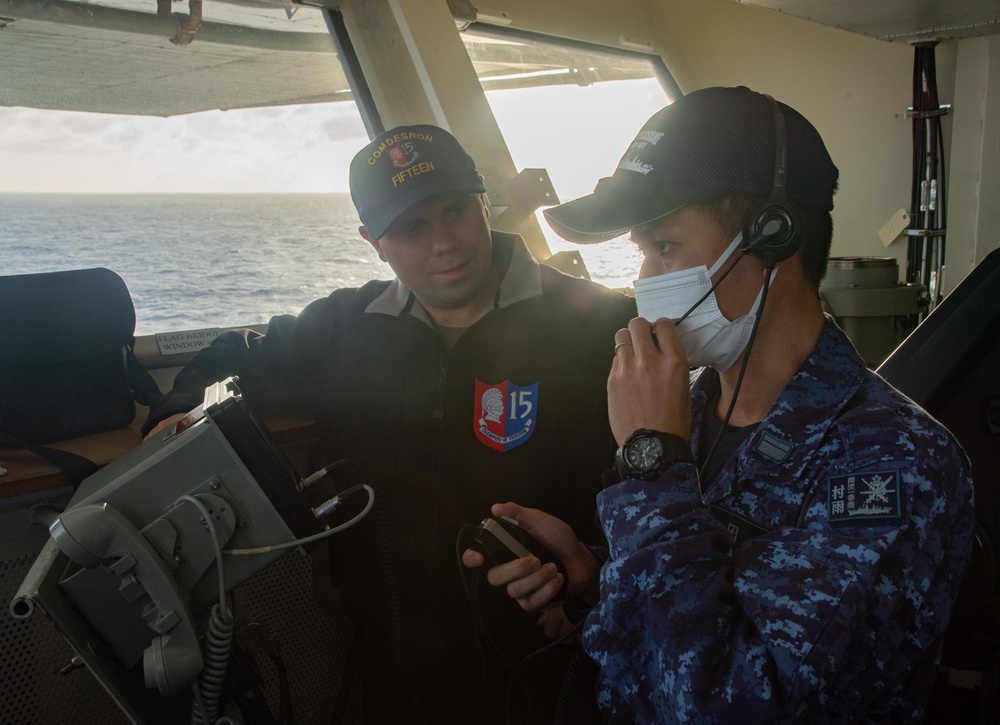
(786, 537)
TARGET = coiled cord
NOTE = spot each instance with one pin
(216, 648)
(217, 645)
(218, 640)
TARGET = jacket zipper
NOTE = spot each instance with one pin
(439, 403)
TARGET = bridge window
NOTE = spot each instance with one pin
(173, 142)
(572, 109)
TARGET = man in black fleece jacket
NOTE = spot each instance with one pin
(476, 375)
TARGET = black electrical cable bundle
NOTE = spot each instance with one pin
(926, 248)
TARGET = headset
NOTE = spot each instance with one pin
(772, 228)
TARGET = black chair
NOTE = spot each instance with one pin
(951, 366)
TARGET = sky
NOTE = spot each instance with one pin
(279, 149)
(577, 133)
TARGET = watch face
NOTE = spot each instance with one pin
(645, 453)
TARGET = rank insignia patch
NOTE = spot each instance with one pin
(505, 413)
(867, 497)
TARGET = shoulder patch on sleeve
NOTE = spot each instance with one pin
(864, 498)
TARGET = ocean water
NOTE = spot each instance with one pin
(214, 260)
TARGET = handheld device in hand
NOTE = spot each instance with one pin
(501, 539)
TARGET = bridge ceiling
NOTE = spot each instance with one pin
(905, 21)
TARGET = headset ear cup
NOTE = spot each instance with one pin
(772, 231)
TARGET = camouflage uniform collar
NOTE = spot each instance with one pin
(788, 436)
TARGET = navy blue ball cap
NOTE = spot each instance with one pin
(708, 143)
(404, 166)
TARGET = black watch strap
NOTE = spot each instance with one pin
(674, 449)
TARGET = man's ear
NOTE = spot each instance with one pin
(363, 231)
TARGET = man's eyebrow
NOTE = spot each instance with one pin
(401, 224)
(642, 233)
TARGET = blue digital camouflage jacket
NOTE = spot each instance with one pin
(836, 613)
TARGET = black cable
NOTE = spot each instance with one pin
(570, 695)
(942, 207)
(743, 369)
(515, 668)
(929, 89)
(284, 686)
(531, 655)
(352, 665)
(725, 273)
(482, 633)
(937, 160)
(245, 680)
(925, 259)
(914, 248)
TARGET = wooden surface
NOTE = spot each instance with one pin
(27, 473)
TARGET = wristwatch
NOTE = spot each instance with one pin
(648, 453)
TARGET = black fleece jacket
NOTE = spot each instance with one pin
(386, 394)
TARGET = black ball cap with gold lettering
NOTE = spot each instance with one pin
(404, 166)
(705, 144)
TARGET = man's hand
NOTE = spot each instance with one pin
(533, 584)
(555, 625)
(163, 424)
(648, 386)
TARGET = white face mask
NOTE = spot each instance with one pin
(707, 336)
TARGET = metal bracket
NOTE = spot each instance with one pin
(570, 262)
(943, 110)
(533, 189)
